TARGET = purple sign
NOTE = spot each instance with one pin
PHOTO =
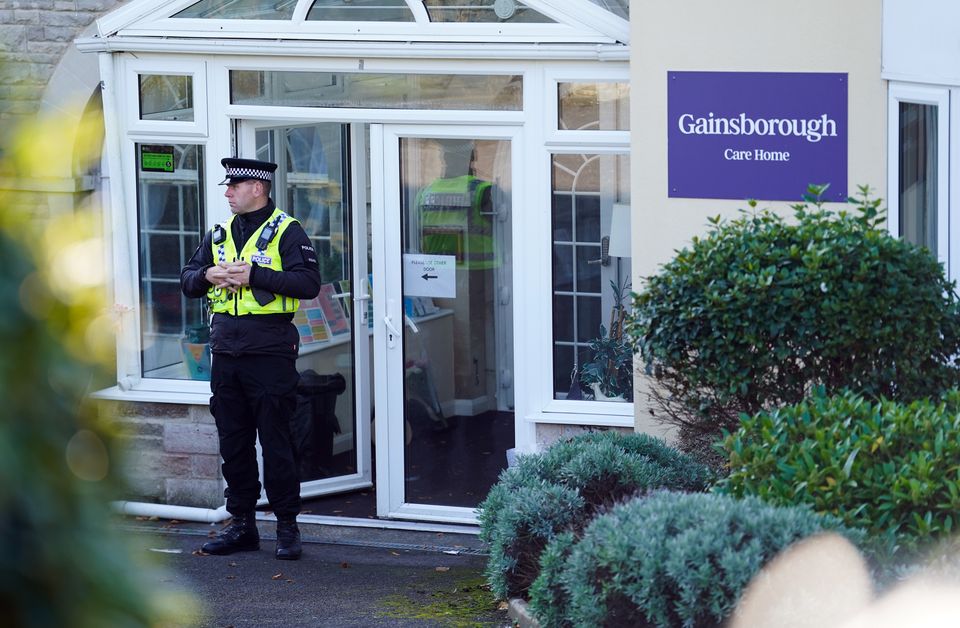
(756, 135)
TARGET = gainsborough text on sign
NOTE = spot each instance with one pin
(756, 135)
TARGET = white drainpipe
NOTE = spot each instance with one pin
(170, 511)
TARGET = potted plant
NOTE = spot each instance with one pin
(609, 373)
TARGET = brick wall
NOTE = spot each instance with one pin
(170, 453)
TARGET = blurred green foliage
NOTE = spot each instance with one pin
(62, 561)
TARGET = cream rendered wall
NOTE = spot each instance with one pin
(746, 36)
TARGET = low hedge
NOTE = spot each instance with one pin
(890, 468)
(670, 559)
(537, 499)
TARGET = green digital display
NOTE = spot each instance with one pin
(156, 158)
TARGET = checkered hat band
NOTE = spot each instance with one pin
(249, 173)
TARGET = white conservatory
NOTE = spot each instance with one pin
(464, 330)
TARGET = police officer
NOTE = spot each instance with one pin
(254, 269)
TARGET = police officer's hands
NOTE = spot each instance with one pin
(229, 275)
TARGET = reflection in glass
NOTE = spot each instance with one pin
(170, 211)
(383, 91)
(360, 11)
(455, 208)
(620, 8)
(594, 106)
(592, 358)
(166, 97)
(503, 11)
(240, 10)
(918, 174)
(311, 184)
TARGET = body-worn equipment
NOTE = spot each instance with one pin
(263, 249)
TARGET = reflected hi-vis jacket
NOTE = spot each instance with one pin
(452, 221)
(243, 301)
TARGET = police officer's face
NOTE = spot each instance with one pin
(245, 196)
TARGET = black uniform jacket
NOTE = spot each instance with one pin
(300, 278)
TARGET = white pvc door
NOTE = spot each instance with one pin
(443, 340)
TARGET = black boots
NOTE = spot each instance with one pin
(240, 536)
(288, 540)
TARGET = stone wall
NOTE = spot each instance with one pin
(170, 453)
(34, 36)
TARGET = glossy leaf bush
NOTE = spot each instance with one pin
(670, 559)
(890, 468)
(562, 489)
(761, 310)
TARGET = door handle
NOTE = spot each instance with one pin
(392, 332)
(409, 323)
(358, 303)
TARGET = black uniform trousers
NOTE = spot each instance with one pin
(256, 394)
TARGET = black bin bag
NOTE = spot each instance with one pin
(315, 422)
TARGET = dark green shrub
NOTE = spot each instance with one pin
(670, 559)
(523, 511)
(887, 467)
(761, 310)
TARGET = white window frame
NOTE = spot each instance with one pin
(577, 22)
(557, 137)
(134, 385)
(195, 69)
(922, 95)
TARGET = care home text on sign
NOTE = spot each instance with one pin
(756, 135)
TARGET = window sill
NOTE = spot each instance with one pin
(114, 393)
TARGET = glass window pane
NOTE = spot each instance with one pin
(587, 211)
(449, 192)
(310, 184)
(591, 197)
(918, 174)
(360, 11)
(562, 218)
(170, 210)
(563, 318)
(166, 97)
(381, 91)
(620, 8)
(562, 368)
(594, 106)
(164, 251)
(240, 9)
(482, 11)
(562, 268)
(588, 318)
(588, 275)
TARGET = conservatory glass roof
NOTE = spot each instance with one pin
(535, 21)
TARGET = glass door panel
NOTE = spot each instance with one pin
(319, 183)
(449, 291)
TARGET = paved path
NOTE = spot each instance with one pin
(347, 577)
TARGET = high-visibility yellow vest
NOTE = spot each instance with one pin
(242, 301)
(451, 222)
